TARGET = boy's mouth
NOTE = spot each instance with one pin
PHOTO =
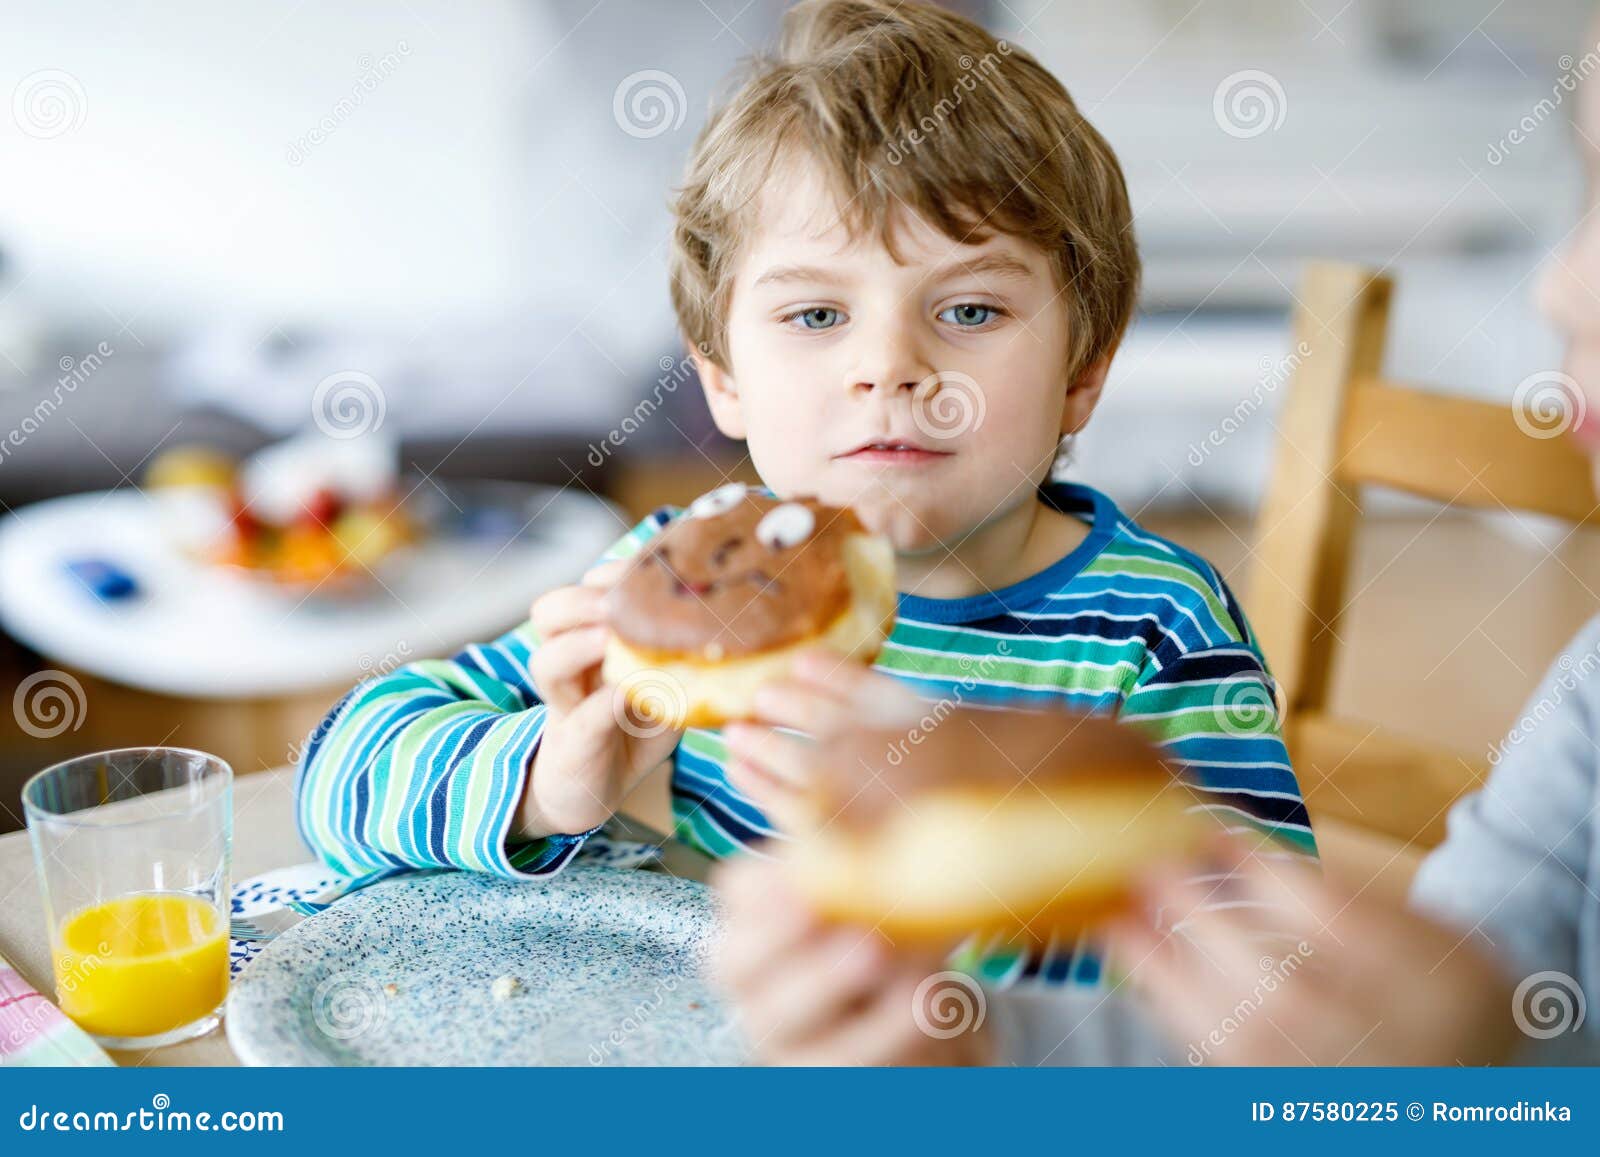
(893, 451)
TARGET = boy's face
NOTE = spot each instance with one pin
(928, 394)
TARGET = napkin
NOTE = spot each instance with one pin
(33, 1031)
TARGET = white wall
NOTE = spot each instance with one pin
(176, 194)
(1387, 144)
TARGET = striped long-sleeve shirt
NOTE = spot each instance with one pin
(424, 767)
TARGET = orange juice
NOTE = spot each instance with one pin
(142, 964)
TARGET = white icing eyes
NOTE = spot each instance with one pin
(785, 526)
(719, 501)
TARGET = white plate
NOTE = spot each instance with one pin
(606, 966)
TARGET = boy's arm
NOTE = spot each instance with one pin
(425, 767)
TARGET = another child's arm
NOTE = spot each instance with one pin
(1361, 981)
(1367, 982)
(810, 991)
(1515, 871)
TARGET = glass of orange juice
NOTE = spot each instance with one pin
(133, 848)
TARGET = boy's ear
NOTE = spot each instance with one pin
(722, 393)
(1084, 394)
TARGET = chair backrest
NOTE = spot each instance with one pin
(1344, 427)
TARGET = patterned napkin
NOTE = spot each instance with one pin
(34, 1032)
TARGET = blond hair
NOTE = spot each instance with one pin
(910, 105)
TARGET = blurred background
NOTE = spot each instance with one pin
(418, 251)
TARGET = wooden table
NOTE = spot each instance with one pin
(264, 837)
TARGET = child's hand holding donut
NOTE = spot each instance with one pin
(814, 992)
(929, 821)
(826, 697)
(1336, 976)
(594, 750)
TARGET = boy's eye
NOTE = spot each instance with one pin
(820, 317)
(969, 314)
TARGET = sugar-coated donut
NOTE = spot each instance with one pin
(1028, 825)
(720, 602)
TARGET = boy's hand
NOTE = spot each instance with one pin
(587, 761)
(826, 697)
(1353, 980)
(810, 993)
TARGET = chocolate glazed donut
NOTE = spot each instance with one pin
(713, 586)
(717, 603)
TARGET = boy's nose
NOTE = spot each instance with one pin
(889, 358)
(870, 384)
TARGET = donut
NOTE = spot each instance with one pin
(1026, 825)
(721, 601)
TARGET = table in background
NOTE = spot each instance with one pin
(207, 659)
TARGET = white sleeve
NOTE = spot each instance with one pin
(1520, 865)
(1043, 1025)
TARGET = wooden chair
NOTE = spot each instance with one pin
(1377, 801)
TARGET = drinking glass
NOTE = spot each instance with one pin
(132, 849)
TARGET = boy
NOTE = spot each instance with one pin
(904, 260)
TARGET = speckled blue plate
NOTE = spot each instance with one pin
(592, 966)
